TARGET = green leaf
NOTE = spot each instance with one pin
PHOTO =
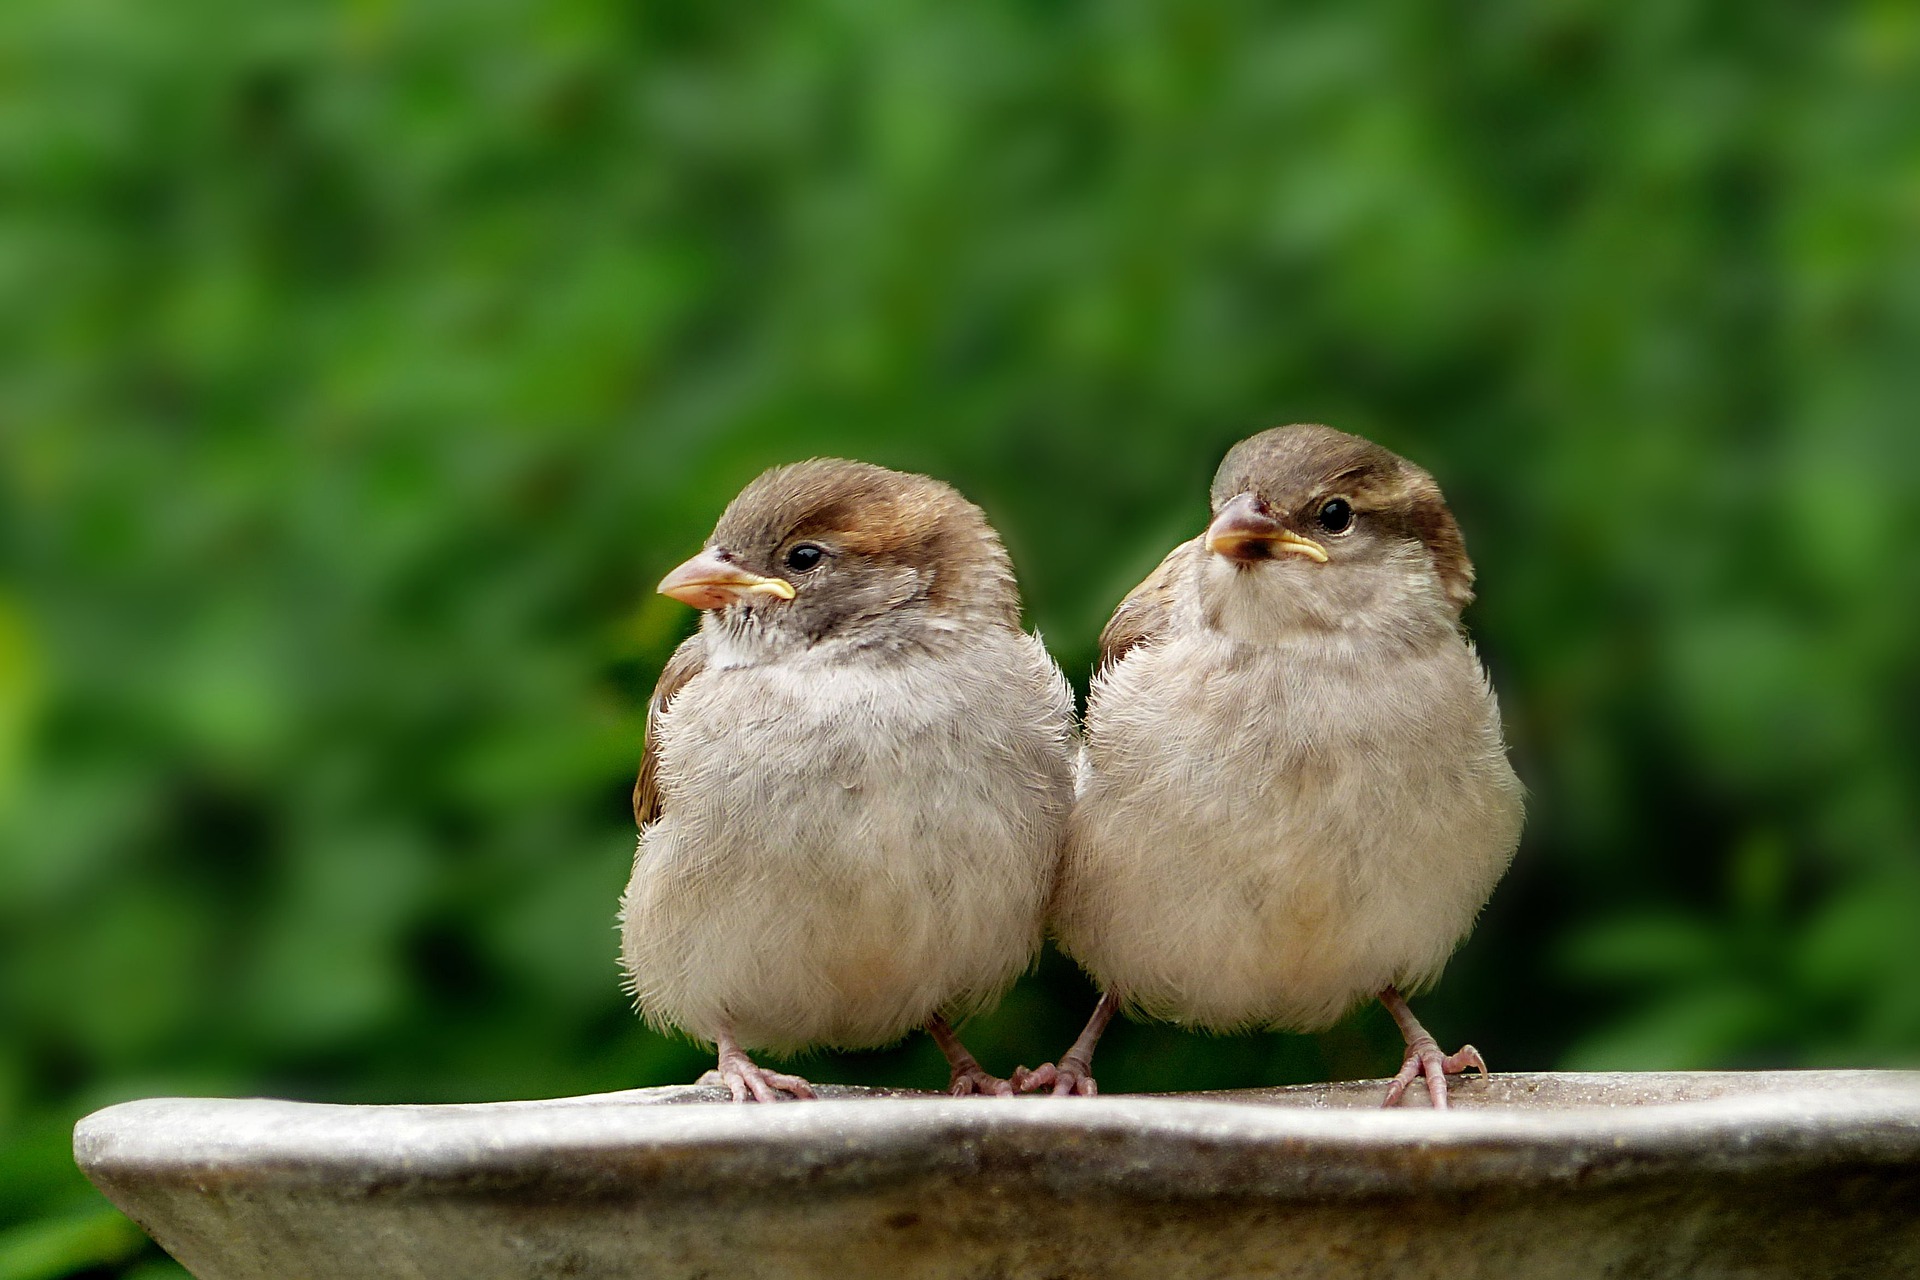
(91, 1237)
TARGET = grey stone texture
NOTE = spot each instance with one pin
(1790, 1174)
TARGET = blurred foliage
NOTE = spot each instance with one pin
(365, 364)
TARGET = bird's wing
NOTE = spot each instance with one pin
(688, 661)
(1147, 613)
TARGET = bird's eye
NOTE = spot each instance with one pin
(1336, 516)
(803, 556)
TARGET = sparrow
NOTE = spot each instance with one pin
(854, 780)
(1295, 794)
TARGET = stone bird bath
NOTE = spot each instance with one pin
(1789, 1174)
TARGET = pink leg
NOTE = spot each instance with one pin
(969, 1077)
(748, 1082)
(1424, 1057)
(1073, 1074)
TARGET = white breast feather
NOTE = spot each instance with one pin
(848, 847)
(1268, 834)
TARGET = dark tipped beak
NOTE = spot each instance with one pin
(708, 582)
(1246, 531)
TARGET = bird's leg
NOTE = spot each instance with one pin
(1074, 1072)
(969, 1076)
(748, 1082)
(1424, 1057)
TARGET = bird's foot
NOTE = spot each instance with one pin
(1069, 1077)
(972, 1078)
(748, 1082)
(968, 1076)
(1073, 1074)
(1425, 1059)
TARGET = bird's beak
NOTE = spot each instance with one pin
(1246, 531)
(707, 582)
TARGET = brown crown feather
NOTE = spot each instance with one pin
(892, 516)
(1298, 467)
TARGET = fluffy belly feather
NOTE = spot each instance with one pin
(1275, 860)
(851, 874)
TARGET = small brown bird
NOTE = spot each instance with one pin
(1295, 795)
(855, 779)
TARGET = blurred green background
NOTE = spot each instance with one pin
(365, 365)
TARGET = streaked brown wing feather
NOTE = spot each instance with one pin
(1148, 611)
(688, 661)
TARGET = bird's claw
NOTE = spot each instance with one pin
(1067, 1078)
(968, 1081)
(1425, 1059)
(748, 1082)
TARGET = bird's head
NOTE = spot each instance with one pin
(1315, 529)
(831, 549)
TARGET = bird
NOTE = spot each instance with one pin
(854, 780)
(1295, 794)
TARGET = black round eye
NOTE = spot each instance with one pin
(803, 556)
(1336, 516)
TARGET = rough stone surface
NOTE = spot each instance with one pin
(1801, 1174)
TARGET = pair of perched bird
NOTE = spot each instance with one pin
(862, 798)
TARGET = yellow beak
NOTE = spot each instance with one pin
(1246, 531)
(708, 582)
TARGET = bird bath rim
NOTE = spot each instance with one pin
(676, 1140)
